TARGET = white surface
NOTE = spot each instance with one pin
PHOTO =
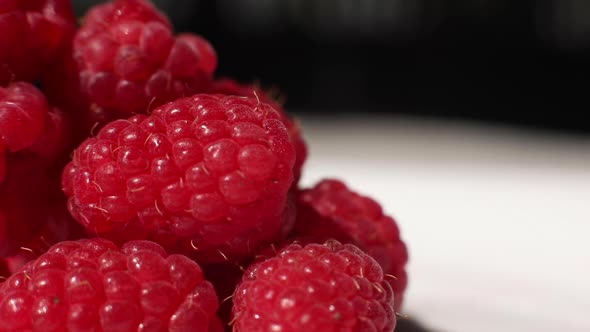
(497, 220)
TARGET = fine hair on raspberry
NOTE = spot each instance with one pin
(92, 285)
(314, 288)
(207, 175)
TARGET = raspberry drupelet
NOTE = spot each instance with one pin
(92, 285)
(34, 33)
(127, 60)
(326, 287)
(206, 175)
(229, 86)
(332, 210)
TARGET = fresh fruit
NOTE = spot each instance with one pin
(92, 285)
(314, 288)
(332, 210)
(229, 86)
(28, 125)
(34, 33)
(126, 60)
(179, 180)
(207, 174)
(33, 137)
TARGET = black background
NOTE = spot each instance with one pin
(520, 62)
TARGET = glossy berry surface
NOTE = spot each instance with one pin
(129, 61)
(315, 288)
(34, 33)
(92, 285)
(332, 210)
(207, 175)
(229, 86)
(28, 124)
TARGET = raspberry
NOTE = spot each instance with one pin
(331, 210)
(127, 61)
(92, 285)
(28, 125)
(231, 87)
(314, 288)
(206, 175)
(34, 32)
(32, 138)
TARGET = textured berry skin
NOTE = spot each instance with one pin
(331, 210)
(128, 61)
(28, 124)
(229, 86)
(92, 285)
(314, 288)
(207, 175)
(34, 32)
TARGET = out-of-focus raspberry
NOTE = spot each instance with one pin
(332, 210)
(126, 60)
(34, 33)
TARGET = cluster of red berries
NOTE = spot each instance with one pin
(179, 207)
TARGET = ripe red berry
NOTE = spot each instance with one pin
(331, 210)
(314, 288)
(34, 33)
(92, 285)
(228, 86)
(29, 125)
(127, 60)
(33, 137)
(208, 174)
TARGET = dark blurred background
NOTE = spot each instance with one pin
(520, 62)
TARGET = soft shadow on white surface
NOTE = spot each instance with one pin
(497, 220)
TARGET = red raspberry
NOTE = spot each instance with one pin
(208, 175)
(315, 288)
(331, 210)
(115, 11)
(91, 285)
(28, 124)
(34, 32)
(128, 61)
(231, 87)
(32, 139)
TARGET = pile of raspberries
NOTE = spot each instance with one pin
(140, 192)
